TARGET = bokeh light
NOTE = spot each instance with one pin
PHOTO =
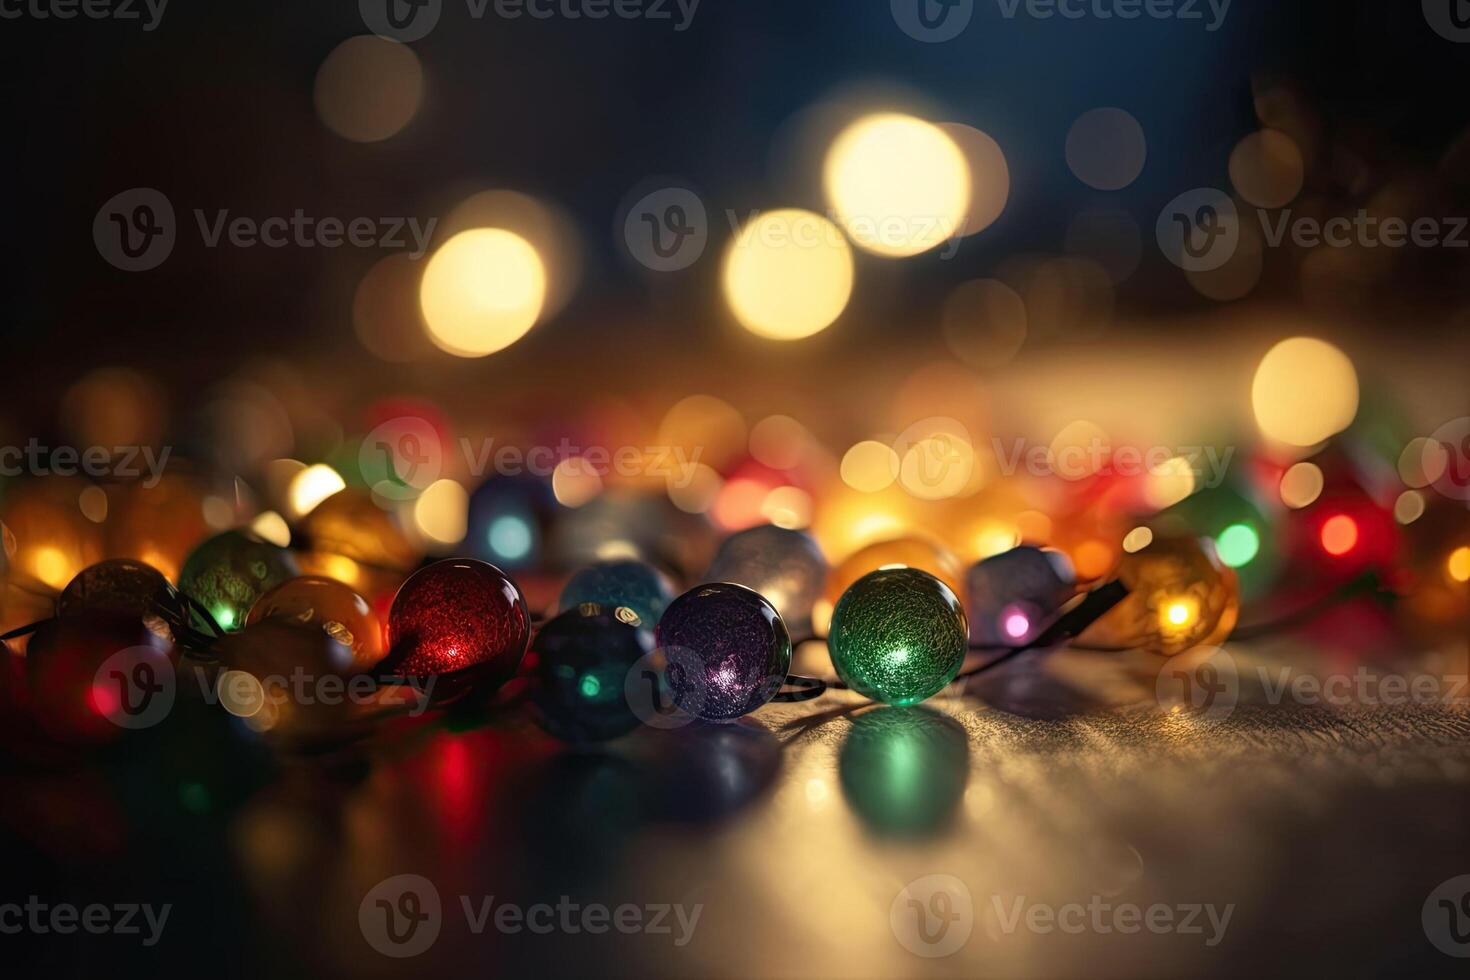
(549, 229)
(311, 486)
(1458, 565)
(1301, 485)
(575, 482)
(788, 274)
(984, 323)
(990, 176)
(1106, 148)
(1305, 391)
(1266, 169)
(369, 88)
(705, 428)
(482, 291)
(385, 310)
(899, 185)
(870, 466)
(1169, 482)
(1408, 507)
(441, 513)
(1339, 535)
(113, 406)
(1238, 545)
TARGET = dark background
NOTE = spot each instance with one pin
(214, 108)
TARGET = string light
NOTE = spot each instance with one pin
(1339, 535)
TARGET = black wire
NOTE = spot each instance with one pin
(1066, 626)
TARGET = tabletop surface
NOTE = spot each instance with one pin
(1066, 814)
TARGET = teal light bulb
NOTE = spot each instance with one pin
(898, 635)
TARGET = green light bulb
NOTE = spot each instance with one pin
(898, 635)
(1237, 545)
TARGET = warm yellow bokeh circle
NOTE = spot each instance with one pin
(788, 274)
(482, 291)
(898, 185)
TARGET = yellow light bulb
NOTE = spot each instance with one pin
(1181, 612)
(1459, 564)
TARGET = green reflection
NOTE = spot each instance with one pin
(904, 770)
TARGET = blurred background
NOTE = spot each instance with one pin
(227, 108)
(603, 212)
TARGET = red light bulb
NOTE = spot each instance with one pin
(1339, 535)
(461, 619)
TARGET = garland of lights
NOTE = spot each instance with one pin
(898, 634)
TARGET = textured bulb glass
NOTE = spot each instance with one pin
(583, 658)
(727, 648)
(1180, 596)
(125, 587)
(633, 585)
(1011, 595)
(229, 572)
(350, 524)
(463, 619)
(329, 606)
(785, 566)
(898, 635)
